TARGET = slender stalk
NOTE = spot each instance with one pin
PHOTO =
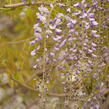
(24, 4)
(44, 56)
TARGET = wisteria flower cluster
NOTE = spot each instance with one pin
(67, 43)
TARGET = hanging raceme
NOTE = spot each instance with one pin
(71, 41)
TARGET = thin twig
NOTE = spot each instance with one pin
(24, 85)
(20, 41)
(25, 4)
(28, 4)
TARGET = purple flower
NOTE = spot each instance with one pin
(75, 50)
(35, 66)
(77, 5)
(49, 32)
(43, 9)
(71, 31)
(52, 27)
(32, 42)
(91, 15)
(76, 13)
(90, 51)
(83, 15)
(93, 55)
(58, 31)
(40, 38)
(73, 21)
(41, 18)
(94, 49)
(94, 23)
(69, 10)
(77, 72)
(51, 5)
(63, 43)
(93, 31)
(36, 26)
(57, 38)
(56, 48)
(87, 26)
(93, 44)
(52, 54)
(61, 5)
(96, 35)
(33, 53)
(91, 19)
(38, 60)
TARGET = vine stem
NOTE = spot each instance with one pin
(44, 56)
(24, 4)
(20, 4)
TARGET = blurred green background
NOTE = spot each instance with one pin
(16, 82)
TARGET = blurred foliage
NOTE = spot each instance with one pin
(16, 30)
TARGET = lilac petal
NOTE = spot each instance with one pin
(96, 35)
(93, 55)
(87, 26)
(33, 53)
(52, 27)
(91, 15)
(73, 21)
(94, 23)
(75, 50)
(77, 5)
(58, 30)
(37, 48)
(69, 10)
(58, 21)
(69, 25)
(57, 49)
(63, 43)
(77, 13)
(72, 30)
(41, 18)
(94, 31)
(61, 5)
(38, 60)
(49, 31)
(40, 38)
(77, 72)
(35, 66)
(94, 49)
(90, 51)
(74, 38)
(93, 44)
(35, 26)
(32, 42)
(51, 5)
(52, 54)
(91, 19)
(57, 38)
(83, 15)
(43, 9)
